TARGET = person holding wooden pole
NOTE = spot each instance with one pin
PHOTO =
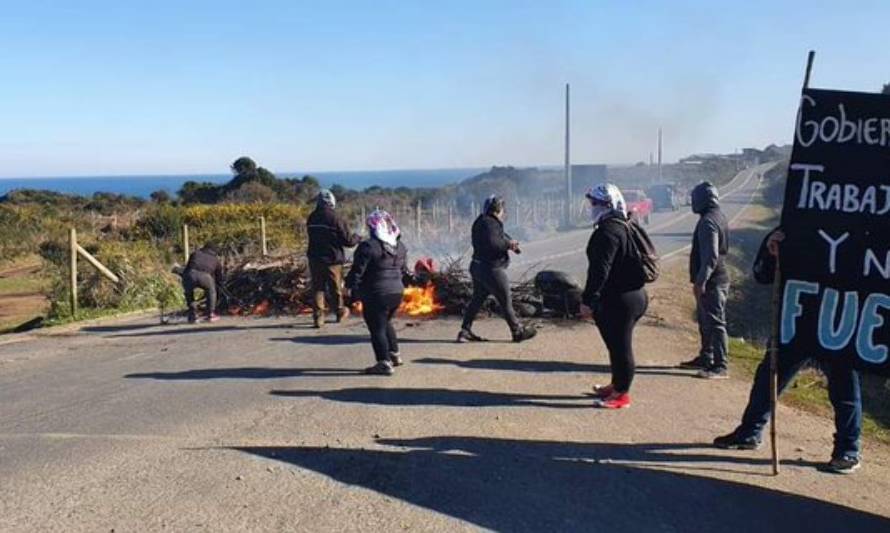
(843, 386)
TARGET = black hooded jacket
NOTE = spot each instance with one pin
(328, 236)
(490, 243)
(377, 269)
(205, 260)
(609, 262)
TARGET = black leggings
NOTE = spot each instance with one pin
(378, 312)
(616, 317)
(488, 280)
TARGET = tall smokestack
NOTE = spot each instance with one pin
(568, 169)
(660, 175)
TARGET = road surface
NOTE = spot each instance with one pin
(671, 232)
(268, 425)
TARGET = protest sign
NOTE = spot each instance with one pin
(835, 265)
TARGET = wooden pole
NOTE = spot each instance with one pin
(451, 217)
(806, 79)
(418, 214)
(99, 266)
(185, 242)
(774, 367)
(263, 235)
(777, 310)
(72, 265)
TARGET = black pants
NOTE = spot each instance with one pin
(490, 281)
(193, 279)
(378, 312)
(616, 317)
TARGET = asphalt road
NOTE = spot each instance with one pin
(267, 425)
(671, 232)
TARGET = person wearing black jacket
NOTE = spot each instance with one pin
(710, 282)
(203, 271)
(614, 293)
(843, 386)
(488, 269)
(378, 266)
(328, 236)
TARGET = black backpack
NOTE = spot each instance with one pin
(643, 252)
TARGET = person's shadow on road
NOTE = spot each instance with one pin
(528, 485)
(544, 366)
(440, 397)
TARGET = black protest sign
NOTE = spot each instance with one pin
(836, 257)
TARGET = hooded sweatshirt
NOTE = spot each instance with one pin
(710, 241)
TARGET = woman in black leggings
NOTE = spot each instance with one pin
(614, 292)
(376, 279)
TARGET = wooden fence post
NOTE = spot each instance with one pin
(72, 264)
(263, 235)
(418, 213)
(185, 242)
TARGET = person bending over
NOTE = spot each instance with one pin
(378, 266)
(488, 269)
(203, 271)
(614, 293)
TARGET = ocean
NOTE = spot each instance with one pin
(143, 186)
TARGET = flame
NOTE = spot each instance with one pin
(416, 301)
(419, 301)
(261, 308)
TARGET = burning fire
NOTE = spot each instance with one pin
(416, 301)
(419, 301)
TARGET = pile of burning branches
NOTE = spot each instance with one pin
(266, 286)
(281, 286)
(454, 290)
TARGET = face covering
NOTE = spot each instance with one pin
(597, 212)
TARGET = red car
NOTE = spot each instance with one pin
(639, 206)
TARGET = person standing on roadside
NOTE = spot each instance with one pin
(844, 390)
(491, 247)
(203, 271)
(329, 235)
(710, 283)
(378, 266)
(614, 294)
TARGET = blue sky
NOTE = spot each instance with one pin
(93, 88)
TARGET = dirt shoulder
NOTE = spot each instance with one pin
(21, 294)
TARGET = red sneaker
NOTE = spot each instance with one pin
(213, 318)
(616, 400)
(603, 391)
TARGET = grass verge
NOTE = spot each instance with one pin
(809, 391)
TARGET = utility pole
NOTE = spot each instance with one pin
(568, 170)
(660, 175)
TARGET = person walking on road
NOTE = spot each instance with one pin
(491, 247)
(378, 266)
(329, 235)
(843, 387)
(614, 293)
(710, 283)
(203, 271)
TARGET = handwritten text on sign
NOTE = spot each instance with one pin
(836, 257)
